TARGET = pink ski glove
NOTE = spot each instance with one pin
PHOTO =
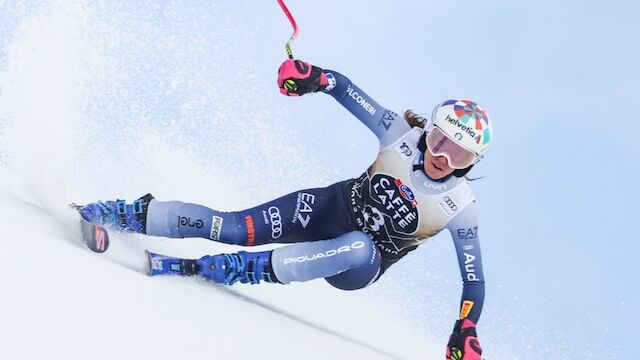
(296, 78)
(463, 343)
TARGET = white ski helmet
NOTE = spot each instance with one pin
(466, 123)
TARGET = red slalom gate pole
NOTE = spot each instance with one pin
(287, 46)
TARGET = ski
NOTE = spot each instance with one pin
(94, 236)
(166, 265)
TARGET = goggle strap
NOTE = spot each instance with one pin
(422, 143)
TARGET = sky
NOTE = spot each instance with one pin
(191, 86)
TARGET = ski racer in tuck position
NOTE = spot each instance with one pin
(351, 232)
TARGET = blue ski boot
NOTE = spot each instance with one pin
(118, 214)
(228, 269)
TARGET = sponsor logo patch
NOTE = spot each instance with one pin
(397, 202)
(468, 233)
(332, 82)
(304, 209)
(251, 231)
(387, 119)
(276, 222)
(469, 267)
(429, 184)
(216, 228)
(405, 150)
(101, 239)
(467, 305)
(329, 253)
(406, 192)
(156, 264)
(360, 100)
(186, 221)
(175, 267)
(448, 206)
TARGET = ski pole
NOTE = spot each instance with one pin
(287, 46)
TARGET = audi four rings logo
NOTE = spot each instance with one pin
(276, 222)
(450, 203)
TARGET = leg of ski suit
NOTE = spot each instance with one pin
(315, 219)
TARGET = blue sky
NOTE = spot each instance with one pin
(559, 79)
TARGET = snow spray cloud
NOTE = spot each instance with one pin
(112, 99)
(39, 96)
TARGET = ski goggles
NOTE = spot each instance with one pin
(439, 144)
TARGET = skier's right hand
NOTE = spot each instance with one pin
(463, 343)
(296, 78)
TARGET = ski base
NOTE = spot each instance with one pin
(94, 236)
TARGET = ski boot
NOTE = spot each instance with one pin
(118, 214)
(228, 269)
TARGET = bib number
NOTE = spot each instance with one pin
(374, 221)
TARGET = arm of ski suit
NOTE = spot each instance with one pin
(464, 231)
(385, 124)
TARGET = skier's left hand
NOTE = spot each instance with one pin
(463, 343)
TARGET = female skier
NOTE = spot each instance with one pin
(351, 232)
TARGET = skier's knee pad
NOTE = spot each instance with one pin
(365, 262)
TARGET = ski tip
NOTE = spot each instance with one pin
(95, 236)
(148, 269)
